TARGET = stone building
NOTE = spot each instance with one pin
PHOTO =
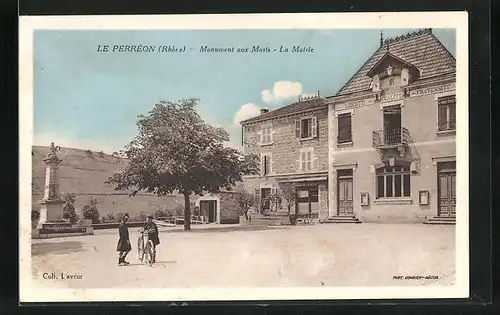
(382, 149)
(292, 143)
(219, 208)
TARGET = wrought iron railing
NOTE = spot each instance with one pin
(446, 125)
(390, 137)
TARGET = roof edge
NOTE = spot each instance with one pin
(254, 120)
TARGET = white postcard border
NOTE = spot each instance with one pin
(27, 24)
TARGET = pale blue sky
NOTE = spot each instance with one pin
(90, 100)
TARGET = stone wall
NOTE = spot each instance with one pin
(286, 147)
(229, 209)
(285, 152)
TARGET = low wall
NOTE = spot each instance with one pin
(62, 232)
(115, 225)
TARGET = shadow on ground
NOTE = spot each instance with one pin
(60, 248)
(158, 263)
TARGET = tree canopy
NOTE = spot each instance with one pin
(177, 151)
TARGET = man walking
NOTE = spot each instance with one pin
(123, 246)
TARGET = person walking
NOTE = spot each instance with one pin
(123, 246)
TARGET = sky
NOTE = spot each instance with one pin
(90, 99)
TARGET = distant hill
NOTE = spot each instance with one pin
(84, 173)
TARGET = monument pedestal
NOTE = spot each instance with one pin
(51, 211)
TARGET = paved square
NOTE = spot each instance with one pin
(317, 255)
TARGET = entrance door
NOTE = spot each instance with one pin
(265, 193)
(212, 211)
(344, 193)
(392, 125)
(447, 189)
(208, 208)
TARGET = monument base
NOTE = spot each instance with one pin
(60, 229)
(51, 210)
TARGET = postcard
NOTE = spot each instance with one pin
(244, 157)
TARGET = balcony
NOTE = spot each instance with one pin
(390, 138)
(447, 125)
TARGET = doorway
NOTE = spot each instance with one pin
(208, 209)
(447, 178)
(392, 125)
(344, 193)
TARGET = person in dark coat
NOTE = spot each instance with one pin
(152, 229)
(123, 246)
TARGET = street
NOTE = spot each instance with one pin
(316, 255)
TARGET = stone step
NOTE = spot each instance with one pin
(441, 220)
(341, 220)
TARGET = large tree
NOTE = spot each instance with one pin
(175, 151)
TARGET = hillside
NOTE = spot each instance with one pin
(84, 173)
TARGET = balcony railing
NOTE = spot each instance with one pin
(446, 125)
(390, 137)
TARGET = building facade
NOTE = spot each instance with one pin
(292, 143)
(385, 147)
(221, 208)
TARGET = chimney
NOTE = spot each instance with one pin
(264, 110)
(381, 38)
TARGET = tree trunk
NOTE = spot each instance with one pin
(187, 213)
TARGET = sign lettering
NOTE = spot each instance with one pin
(432, 90)
(358, 103)
(392, 97)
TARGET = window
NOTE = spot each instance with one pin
(446, 113)
(266, 164)
(344, 132)
(307, 199)
(265, 200)
(393, 182)
(308, 159)
(391, 82)
(306, 128)
(266, 134)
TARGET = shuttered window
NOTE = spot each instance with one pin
(447, 113)
(266, 164)
(306, 128)
(344, 128)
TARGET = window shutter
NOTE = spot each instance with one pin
(272, 133)
(302, 160)
(274, 204)
(257, 197)
(314, 160)
(262, 163)
(309, 160)
(259, 137)
(270, 161)
(297, 128)
(314, 126)
(442, 113)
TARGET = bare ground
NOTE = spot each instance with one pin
(318, 255)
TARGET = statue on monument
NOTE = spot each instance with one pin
(53, 150)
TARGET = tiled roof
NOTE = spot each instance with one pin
(287, 110)
(421, 49)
